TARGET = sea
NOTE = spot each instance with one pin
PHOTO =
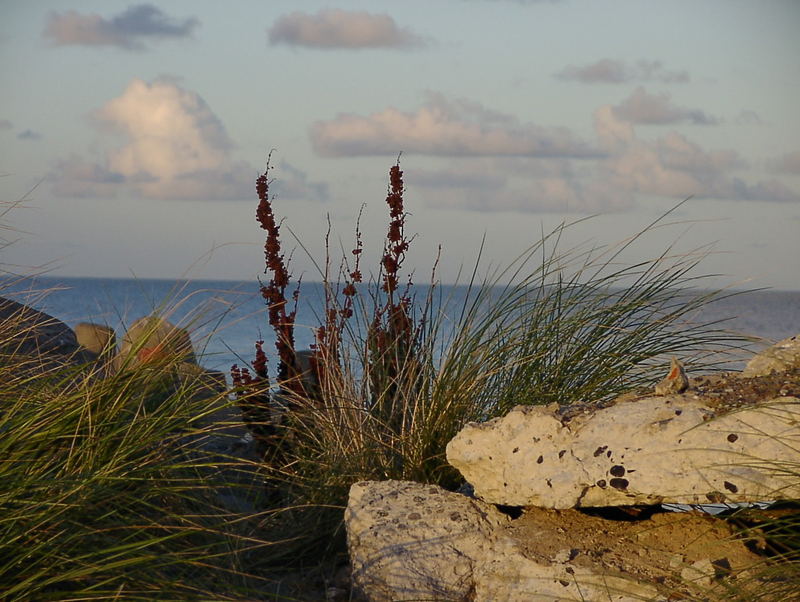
(227, 317)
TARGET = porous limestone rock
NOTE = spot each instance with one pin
(651, 450)
(543, 555)
(96, 338)
(409, 541)
(782, 356)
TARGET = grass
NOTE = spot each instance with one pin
(107, 487)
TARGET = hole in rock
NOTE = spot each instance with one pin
(513, 512)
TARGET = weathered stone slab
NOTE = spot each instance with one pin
(541, 555)
(410, 541)
(671, 449)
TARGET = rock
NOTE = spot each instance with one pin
(652, 450)
(96, 338)
(409, 541)
(675, 382)
(36, 339)
(152, 338)
(542, 555)
(782, 356)
(31, 332)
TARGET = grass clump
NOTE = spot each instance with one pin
(108, 487)
(393, 376)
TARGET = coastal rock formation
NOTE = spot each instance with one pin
(409, 541)
(683, 449)
(583, 487)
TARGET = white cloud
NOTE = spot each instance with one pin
(127, 30)
(748, 117)
(174, 147)
(642, 107)
(788, 163)
(75, 177)
(335, 28)
(673, 166)
(446, 128)
(610, 71)
(29, 135)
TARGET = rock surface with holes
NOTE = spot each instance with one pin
(410, 541)
(680, 448)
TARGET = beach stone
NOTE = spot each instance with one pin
(404, 545)
(409, 541)
(96, 338)
(37, 341)
(680, 448)
(782, 356)
(151, 338)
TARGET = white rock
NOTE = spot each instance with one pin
(654, 450)
(782, 356)
(409, 541)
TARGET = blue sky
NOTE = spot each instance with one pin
(143, 126)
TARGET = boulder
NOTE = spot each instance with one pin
(31, 332)
(152, 338)
(405, 545)
(781, 357)
(690, 448)
(36, 340)
(96, 338)
(409, 541)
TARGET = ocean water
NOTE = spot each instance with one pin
(227, 317)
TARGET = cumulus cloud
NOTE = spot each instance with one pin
(788, 163)
(174, 147)
(293, 183)
(673, 166)
(610, 71)
(76, 177)
(29, 135)
(642, 107)
(128, 30)
(336, 28)
(446, 128)
(748, 117)
(630, 168)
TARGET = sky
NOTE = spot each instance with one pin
(133, 132)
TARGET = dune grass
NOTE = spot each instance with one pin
(107, 485)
